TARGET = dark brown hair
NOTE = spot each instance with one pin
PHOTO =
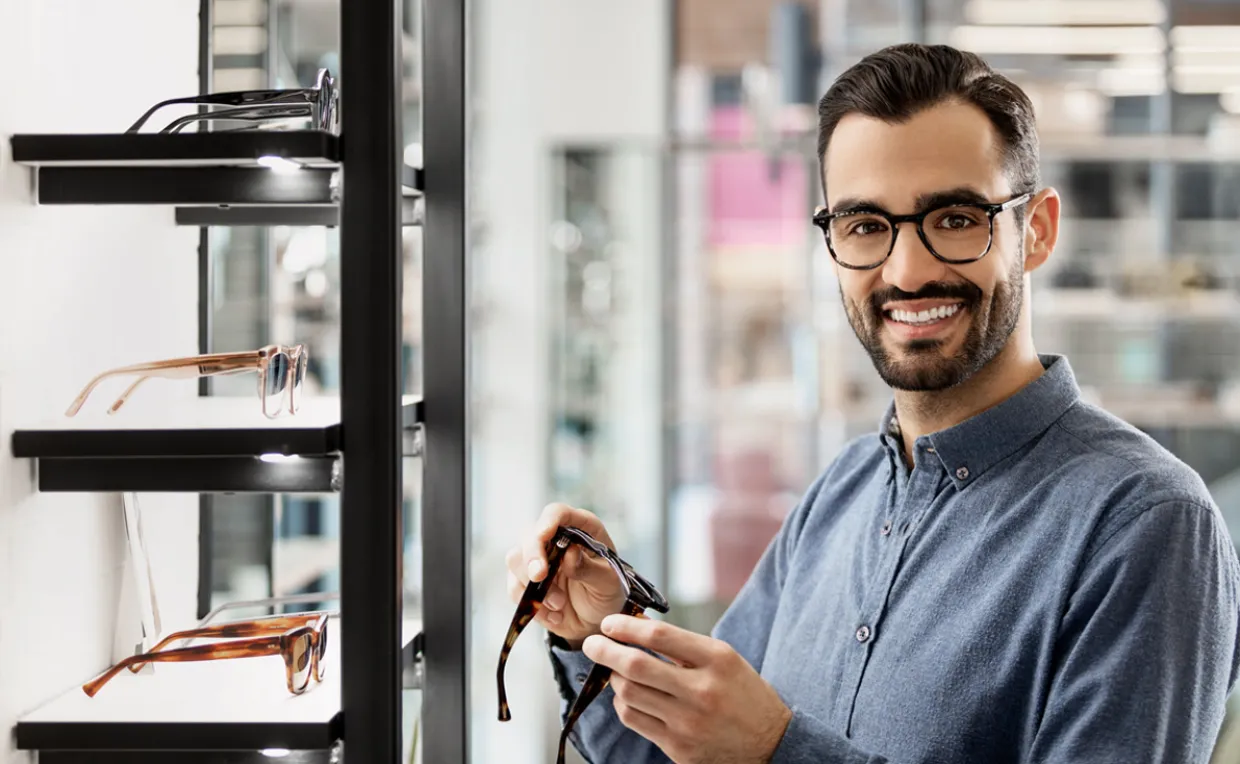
(896, 83)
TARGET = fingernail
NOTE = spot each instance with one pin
(555, 600)
(609, 624)
(554, 618)
(534, 567)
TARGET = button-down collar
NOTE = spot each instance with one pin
(968, 449)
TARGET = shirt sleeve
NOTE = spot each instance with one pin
(599, 735)
(1146, 649)
(1147, 652)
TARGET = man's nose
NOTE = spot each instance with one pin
(911, 265)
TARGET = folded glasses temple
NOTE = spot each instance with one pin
(255, 628)
(181, 368)
(237, 98)
(531, 602)
(596, 681)
(248, 114)
(254, 648)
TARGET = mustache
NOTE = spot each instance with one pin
(935, 290)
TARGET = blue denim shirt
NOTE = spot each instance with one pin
(1047, 584)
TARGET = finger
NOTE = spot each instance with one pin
(681, 645)
(646, 699)
(516, 567)
(535, 545)
(636, 665)
(556, 598)
(516, 589)
(640, 722)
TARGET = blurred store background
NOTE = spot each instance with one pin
(657, 333)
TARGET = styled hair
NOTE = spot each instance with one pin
(896, 83)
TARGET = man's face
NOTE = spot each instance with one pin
(900, 169)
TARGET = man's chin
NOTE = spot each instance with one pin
(920, 372)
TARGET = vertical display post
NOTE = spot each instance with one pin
(370, 383)
(445, 515)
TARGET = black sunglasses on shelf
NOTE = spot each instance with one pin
(320, 104)
(639, 596)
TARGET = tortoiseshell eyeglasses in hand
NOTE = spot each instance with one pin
(300, 639)
(639, 596)
(281, 370)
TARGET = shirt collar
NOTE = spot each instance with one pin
(968, 449)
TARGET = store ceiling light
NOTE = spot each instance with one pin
(1206, 80)
(278, 164)
(1055, 12)
(1060, 41)
(1206, 38)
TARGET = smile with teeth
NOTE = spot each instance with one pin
(925, 316)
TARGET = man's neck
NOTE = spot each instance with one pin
(921, 413)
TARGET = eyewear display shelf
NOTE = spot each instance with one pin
(255, 177)
(226, 711)
(229, 711)
(213, 445)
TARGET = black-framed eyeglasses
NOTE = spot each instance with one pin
(639, 596)
(320, 104)
(862, 239)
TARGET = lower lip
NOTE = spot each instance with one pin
(922, 331)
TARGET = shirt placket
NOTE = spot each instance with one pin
(907, 500)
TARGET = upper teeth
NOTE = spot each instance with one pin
(925, 316)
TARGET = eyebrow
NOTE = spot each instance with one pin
(927, 201)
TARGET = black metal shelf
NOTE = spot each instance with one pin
(207, 169)
(296, 455)
(228, 705)
(412, 211)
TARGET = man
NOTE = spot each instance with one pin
(1003, 573)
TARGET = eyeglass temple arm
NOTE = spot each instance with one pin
(525, 613)
(596, 682)
(146, 369)
(251, 648)
(246, 113)
(289, 599)
(232, 631)
(234, 98)
(180, 368)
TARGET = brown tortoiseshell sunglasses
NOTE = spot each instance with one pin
(301, 639)
(639, 596)
(280, 368)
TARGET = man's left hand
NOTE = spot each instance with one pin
(708, 706)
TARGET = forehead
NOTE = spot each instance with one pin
(947, 146)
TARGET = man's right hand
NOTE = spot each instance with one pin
(585, 589)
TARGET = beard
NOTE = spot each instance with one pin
(921, 365)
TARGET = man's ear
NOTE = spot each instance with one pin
(1041, 228)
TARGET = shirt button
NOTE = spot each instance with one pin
(886, 528)
(863, 634)
(963, 473)
(581, 678)
(930, 450)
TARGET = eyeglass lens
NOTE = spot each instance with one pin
(953, 233)
(301, 662)
(298, 376)
(277, 382)
(322, 653)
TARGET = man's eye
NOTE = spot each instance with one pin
(956, 220)
(866, 228)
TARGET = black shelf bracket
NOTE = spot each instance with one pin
(186, 186)
(213, 474)
(212, 178)
(412, 211)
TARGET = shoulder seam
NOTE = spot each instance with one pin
(1059, 423)
(1188, 501)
